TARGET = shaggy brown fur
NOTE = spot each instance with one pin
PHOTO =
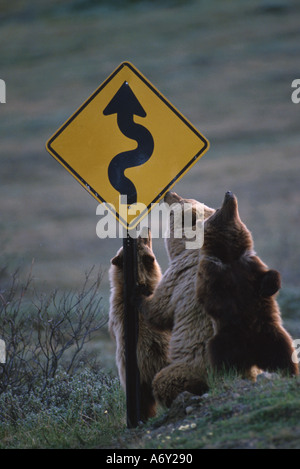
(174, 305)
(153, 345)
(237, 290)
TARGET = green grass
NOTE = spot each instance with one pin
(241, 415)
(88, 410)
(83, 411)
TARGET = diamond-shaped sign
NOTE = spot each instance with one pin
(127, 139)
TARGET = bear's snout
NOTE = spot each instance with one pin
(229, 207)
(229, 195)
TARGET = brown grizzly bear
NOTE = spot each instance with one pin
(153, 345)
(237, 290)
(174, 305)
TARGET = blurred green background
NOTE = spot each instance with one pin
(226, 65)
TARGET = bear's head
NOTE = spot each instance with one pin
(225, 235)
(183, 216)
(232, 281)
(149, 272)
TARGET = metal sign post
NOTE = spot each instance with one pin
(131, 329)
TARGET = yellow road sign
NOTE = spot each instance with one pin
(128, 139)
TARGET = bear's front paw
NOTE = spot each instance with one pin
(142, 290)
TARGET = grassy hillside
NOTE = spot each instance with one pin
(235, 414)
(88, 411)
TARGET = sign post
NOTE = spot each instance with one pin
(131, 330)
(128, 140)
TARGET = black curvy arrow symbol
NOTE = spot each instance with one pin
(125, 105)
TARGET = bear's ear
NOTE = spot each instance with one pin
(270, 283)
(148, 261)
(117, 260)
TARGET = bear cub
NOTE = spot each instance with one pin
(153, 345)
(238, 291)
